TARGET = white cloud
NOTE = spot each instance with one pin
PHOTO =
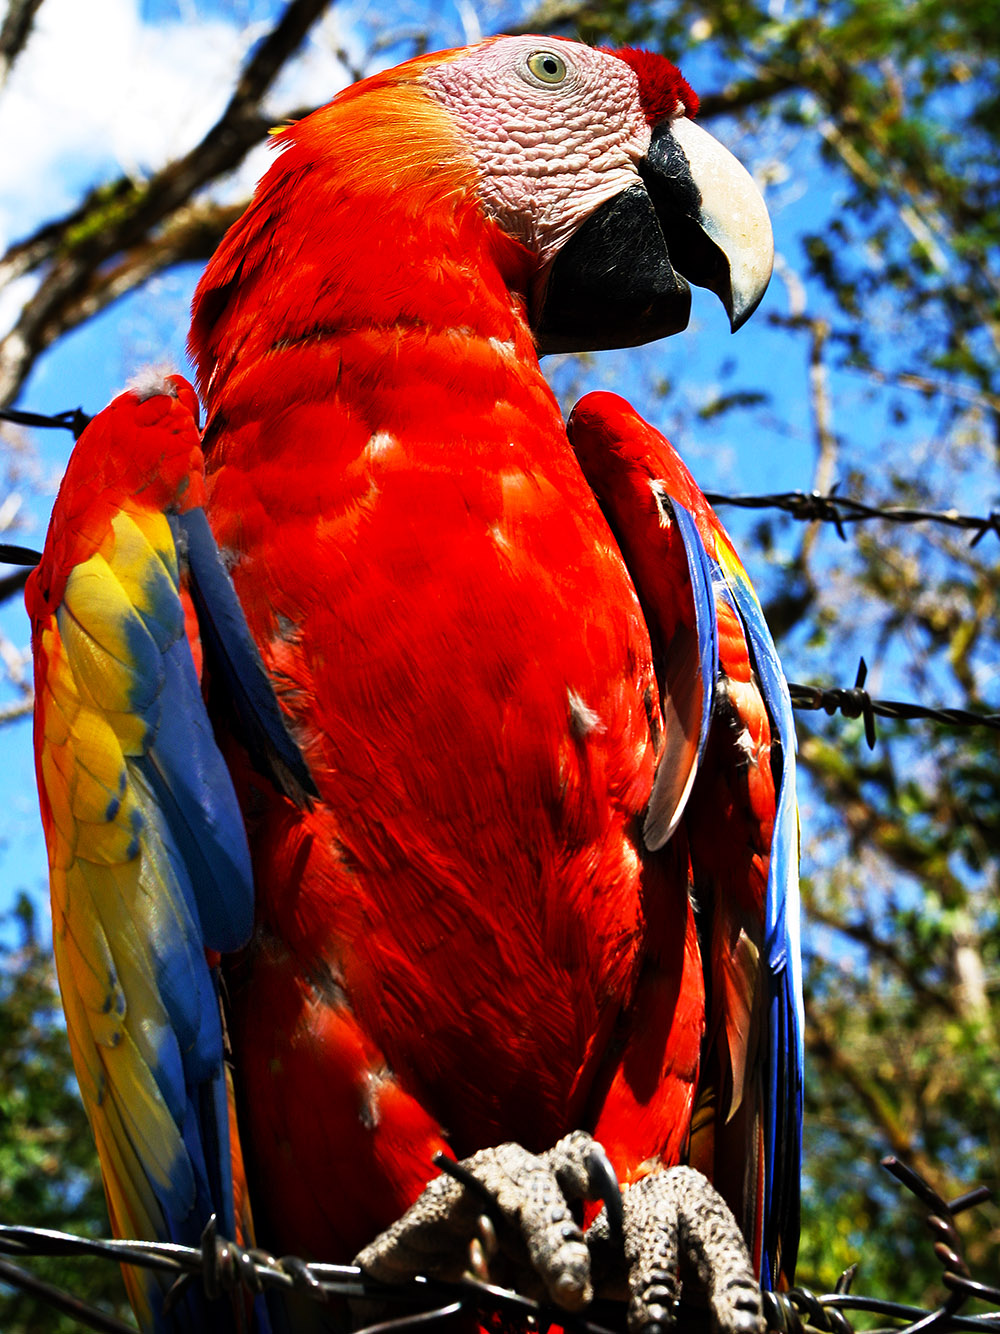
(98, 91)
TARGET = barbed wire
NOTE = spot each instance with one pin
(807, 506)
(815, 506)
(73, 419)
(857, 703)
(225, 1269)
(853, 703)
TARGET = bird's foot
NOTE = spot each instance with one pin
(670, 1224)
(677, 1226)
(526, 1199)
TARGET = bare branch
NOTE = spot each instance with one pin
(746, 93)
(192, 232)
(21, 708)
(925, 384)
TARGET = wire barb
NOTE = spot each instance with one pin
(800, 1310)
(857, 703)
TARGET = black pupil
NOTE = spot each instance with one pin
(550, 66)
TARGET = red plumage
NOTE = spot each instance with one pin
(524, 884)
(663, 90)
(448, 943)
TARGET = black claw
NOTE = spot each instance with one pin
(459, 1172)
(604, 1186)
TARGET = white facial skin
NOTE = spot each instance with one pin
(557, 129)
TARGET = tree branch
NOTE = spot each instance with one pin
(862, 933)
(14, 33)
(12, 584)
(191, 233)
(126, 215)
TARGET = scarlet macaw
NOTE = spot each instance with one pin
(489, 806)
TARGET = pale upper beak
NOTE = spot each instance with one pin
(693, 215)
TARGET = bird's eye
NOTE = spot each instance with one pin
(547, 66)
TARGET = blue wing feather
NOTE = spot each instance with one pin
(786, 1053)
(231, 651)
(189, 778)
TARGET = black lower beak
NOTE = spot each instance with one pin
(694, 213)
(612, 284)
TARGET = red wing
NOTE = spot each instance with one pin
(735, 810)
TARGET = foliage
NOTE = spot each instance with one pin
(47, 1176)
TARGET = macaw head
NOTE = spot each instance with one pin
(592, 160)
(571, 178)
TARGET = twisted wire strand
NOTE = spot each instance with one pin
(817, 507)
(857, 703)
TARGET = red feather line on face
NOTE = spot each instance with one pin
(661, 84)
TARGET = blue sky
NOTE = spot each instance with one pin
(115, 85)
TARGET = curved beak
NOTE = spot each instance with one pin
(693, 215)
(714, 218)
